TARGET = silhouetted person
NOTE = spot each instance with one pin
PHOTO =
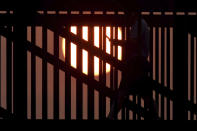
(135, 75)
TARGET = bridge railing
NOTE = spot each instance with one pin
(55, 89)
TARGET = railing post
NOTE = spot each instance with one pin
(91, 74)
(180, 67)
(56, 77)
(20, 68)
(68, 79)
(102, 74)
(79, 82)
(9, 72)
(0, 69)
(44, 73)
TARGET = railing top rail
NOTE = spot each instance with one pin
(100, 4)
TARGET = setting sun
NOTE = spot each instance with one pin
(73, 29)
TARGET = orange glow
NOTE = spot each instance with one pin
(96, 44)
(84, 52)
(85, 32)
(96, 36)
(119, 47)
(96, 66)
(73, 49)
(64, 47)
(85, 62)
(108, 46)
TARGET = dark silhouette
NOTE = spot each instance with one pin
(5, 114)
(135, 77)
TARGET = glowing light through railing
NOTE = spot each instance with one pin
(85, 32)
(96, 36)
(119, 47)
(85, 62)
(73, 49)
(108, 33)
(119, 33)
(97, 41)
(84, 52)
(108, 46)
(96, 66)
(64, 47)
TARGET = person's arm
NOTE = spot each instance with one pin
(121, 42)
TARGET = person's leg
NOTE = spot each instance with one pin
(151, 109)
(134, 73)
(149, 103)
(118, 102)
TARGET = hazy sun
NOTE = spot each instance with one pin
(96, 44)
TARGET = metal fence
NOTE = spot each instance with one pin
(39, 81)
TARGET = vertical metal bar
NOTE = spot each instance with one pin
(151, 63)
(157, 63)
(139, 103)
(165, 68)
(9, 72)
(123, 111)
(162, 70)
(44, 75)
(134, 112)
(103, 80)
(157, 53)
(126, 32)
(20, 68)
(91, 74)
(192, 73)
(56, 77)
(168, 71)
(151, 57)
(0, 69)
(189, 75)
(196, 70)
(33, 76)
(112, 70)
(101, 97)
(79, 83)
(151, 50)
(180, 59)
(68, 79)
(116, 56)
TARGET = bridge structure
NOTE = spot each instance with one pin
(26, 79)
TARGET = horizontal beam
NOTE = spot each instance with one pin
(99, 4)
(160, 20)
(72, 19)
(92, 19)
(163, 90)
